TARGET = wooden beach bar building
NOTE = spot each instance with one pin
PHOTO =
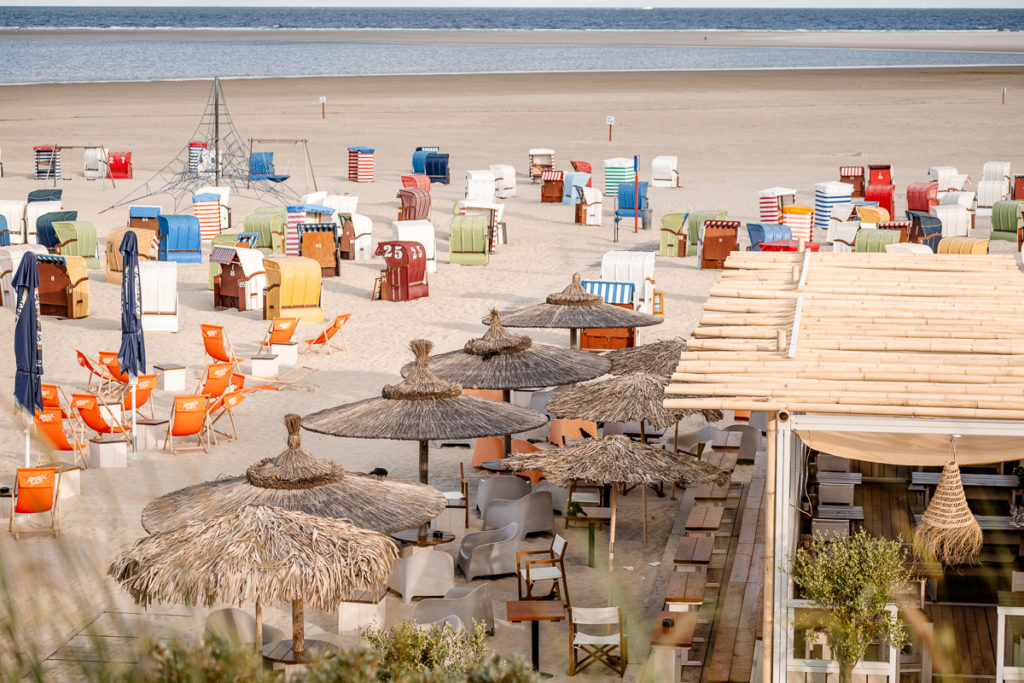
(873, 371)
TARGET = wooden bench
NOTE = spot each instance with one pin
(976, 486)
(704, 519)
(694, 552)
(727, 441)
(685, 591)
(710, 493)
(998, 531)
(724, 460)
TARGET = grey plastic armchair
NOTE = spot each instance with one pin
(502, 487)
(490, 553)
(469, 603)
(532, 512)
(428, 572)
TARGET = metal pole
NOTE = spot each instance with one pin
(768, 599)
(636, 192)
(28, 448)
(216, 131)
(135, 435)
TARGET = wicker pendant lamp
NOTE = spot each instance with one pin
(948, 530)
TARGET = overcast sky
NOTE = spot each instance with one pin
(1018, 4)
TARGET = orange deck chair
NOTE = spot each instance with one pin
(225, 405)
(144, 386)
(281, 331)
(88, 407)
(217, 345)
(50, 424)
(54, 397)
(109, 360)
(36, 490)
(323, 340)
(96, 370)
(524, 446)
(189, 417)
(489, 394)
(216, 380)
(487, 448)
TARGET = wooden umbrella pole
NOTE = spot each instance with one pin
(611, 544)
(424, 475)
(259, 626)
(572, 338)
(298, 629)
(506, 397)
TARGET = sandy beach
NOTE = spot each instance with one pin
(734, 133)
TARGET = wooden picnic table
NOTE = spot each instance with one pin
(847, 512)
(704, 518)
(710, 492)
(724, 460)
(695, 550)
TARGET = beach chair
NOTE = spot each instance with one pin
(562, 429)
(144, 386)
(766, 232)
(54, 397)
(36, 490)
(720, 239)
(673, 237)
(217, 344)
(108, 359)
(1007, 221)
(435, 166)
(281, 331)
(694, 223)
(323, 340)
(487, 448)
(88, 408)
(189, 417)
(600, 646)
(427, 573)
(215, 380)
(96, 371)
(50, 424)
(225, 405)
(875, 240)
(549, 566)
(924, 229)
(626, 201)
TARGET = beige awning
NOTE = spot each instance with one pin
(914, 449)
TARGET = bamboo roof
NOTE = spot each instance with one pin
(500, 360)
(296, 480)
(911, 335)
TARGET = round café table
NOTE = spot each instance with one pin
(412, 537)
(283, 651)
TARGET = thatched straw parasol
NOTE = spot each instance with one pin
(500, 360)
(574, 308)
(258, 553)
(656, 358)
(616, 460)
(423, 407)
(295, 480)
(625, 398)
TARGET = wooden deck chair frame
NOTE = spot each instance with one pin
(75, 445)
(114, 425)
(597, 652)
(96, 370)
(221, 407)
(53, 509)
(202, 436)
(281, 331)
(464, 490)
(546, 557)
(323, 340)
(148, 400)
(225, 380)
(62, 401)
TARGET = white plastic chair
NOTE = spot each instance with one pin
(470, 604)
(502, 487)
(428, 572)
(533, 513)
(490, 553)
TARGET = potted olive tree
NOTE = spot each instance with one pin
(851, 581)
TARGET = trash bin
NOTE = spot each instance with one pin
(645, 216)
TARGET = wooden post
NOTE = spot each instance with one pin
(643, 489)
(298, 630)
(572, 338)
(611, 544)
(259, 626)
(768, 600)
(424, 464)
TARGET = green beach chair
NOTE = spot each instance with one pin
(1006, 220)
(469, 243)
(271, 223)
(671, 232)
(874, 240)
(693, 224)
(77, 238)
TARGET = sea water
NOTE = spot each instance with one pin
(31, 56)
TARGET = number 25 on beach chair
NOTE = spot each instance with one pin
(36, 490)
(189, 417)
(323, 340)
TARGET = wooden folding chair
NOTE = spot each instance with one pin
(460, 498)
(108, 359)
(281, 331)
(36, 490)
(50, 424)
(543, 565)
(88, 408)
(216, 380)
(323, 340)
(217, 344)
(189, 417)
(224, 406)
(608, 648)
(96, 371)
(144, 386)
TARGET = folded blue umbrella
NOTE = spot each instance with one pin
(28, 342)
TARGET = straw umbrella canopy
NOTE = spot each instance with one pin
(295, 480)
(616, 460)
(575, 308)
(257, 553)
(420, 408)
(625, 398)
(657, 358)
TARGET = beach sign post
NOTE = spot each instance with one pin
(323, 107)
(610, 120)
(636, 192)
